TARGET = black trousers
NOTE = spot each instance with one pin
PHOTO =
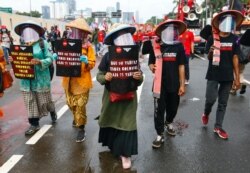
(34, 121)
(168, 102)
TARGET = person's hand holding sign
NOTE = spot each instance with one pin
(55, 56)
(137, 75)
(108, 76)
(152, 67)
(35, 61)
(84, 59)
(10, 59)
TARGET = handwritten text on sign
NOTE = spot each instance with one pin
(123, 68)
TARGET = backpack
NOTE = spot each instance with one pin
(51, 66)
(244, 55)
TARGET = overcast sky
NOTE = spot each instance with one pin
(146, 8)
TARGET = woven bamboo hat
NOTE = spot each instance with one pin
(20, 27)
(180, 25)
(81, 24)
(115, 28)
(238, 18)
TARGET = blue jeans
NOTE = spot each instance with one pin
(221, 90)
(6, 54)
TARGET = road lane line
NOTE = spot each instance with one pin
(140, 90)
(62, 111)
(45, 128)
(7, 166)
(199, 57)
(38, 135)
(247, 82)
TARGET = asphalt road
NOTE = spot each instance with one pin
(196, 149)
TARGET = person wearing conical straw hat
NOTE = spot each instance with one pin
(77, 88)
(117, 121)
(223, 51)
(167, 65)
(36, 92)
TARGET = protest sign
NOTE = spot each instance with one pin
(123, 63)
(22, 67)
(68, 62)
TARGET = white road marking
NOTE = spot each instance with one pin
(194, 99)
(65, 107)
(247, 82)
(7, 166)
(198, 56)
(62, 111)
(33, 140)
(140, 90)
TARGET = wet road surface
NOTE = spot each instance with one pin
(195, 149)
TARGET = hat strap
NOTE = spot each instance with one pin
(216, 51)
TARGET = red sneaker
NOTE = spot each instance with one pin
(221, 133)
(204, 119)
(1, 113)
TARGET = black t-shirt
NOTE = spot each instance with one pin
(173, 56)
(229, 48)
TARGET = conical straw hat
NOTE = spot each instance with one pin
(181, 26)
(116, 28)
(21, 26)
(81, 24)
(238, 18)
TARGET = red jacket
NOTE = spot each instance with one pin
(100, 36)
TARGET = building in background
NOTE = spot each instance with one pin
(127, 17)
(84, 13)
(46, 12)
(137, 17)
(109, 11)
(71, 5)
(118, 7)
(59, 9)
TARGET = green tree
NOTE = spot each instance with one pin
(36, 14)
(32, 13)
(89, 20)
(171, 15)
(154, 20)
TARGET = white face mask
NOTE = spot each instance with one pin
(76, 34)
(227, 24)
(124, 40)
(29, 35)
(170, 35)
(242, 31)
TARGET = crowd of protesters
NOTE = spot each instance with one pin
(118, 129)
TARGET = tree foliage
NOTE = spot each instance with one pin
(89, 20)
(32, 14)
(154, 20)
